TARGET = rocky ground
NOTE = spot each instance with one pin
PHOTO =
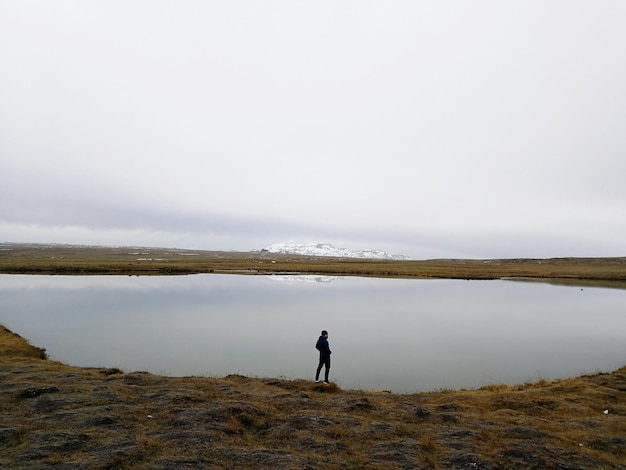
(57, 416)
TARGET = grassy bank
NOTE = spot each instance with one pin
(55, 259)
(58, 416)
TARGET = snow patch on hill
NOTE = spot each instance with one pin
(326, 249)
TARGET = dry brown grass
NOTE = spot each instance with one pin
(14, 345)
(55, 415)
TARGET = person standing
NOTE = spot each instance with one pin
(324, 349)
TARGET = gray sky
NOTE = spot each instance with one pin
(477, 129)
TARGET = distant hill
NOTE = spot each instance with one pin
(326, 249)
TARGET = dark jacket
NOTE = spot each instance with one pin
(322, 346)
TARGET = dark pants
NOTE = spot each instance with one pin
(324, 361)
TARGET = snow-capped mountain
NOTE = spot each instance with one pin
(326, 249)
(307, 278)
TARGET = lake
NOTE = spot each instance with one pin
(385, 334)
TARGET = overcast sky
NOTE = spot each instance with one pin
(480, 129)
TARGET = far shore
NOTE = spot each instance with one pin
(81, 260)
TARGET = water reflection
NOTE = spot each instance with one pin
(391, 334)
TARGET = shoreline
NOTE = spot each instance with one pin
(80, 260)
(75, 417)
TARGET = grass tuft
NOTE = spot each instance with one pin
(13, 345)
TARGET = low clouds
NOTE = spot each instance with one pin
(448, 129)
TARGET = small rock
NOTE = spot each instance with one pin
(7, 435)
(421, 412)
(35, 392)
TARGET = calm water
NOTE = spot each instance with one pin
(391, 334)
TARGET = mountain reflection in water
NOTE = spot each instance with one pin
(391, 334)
